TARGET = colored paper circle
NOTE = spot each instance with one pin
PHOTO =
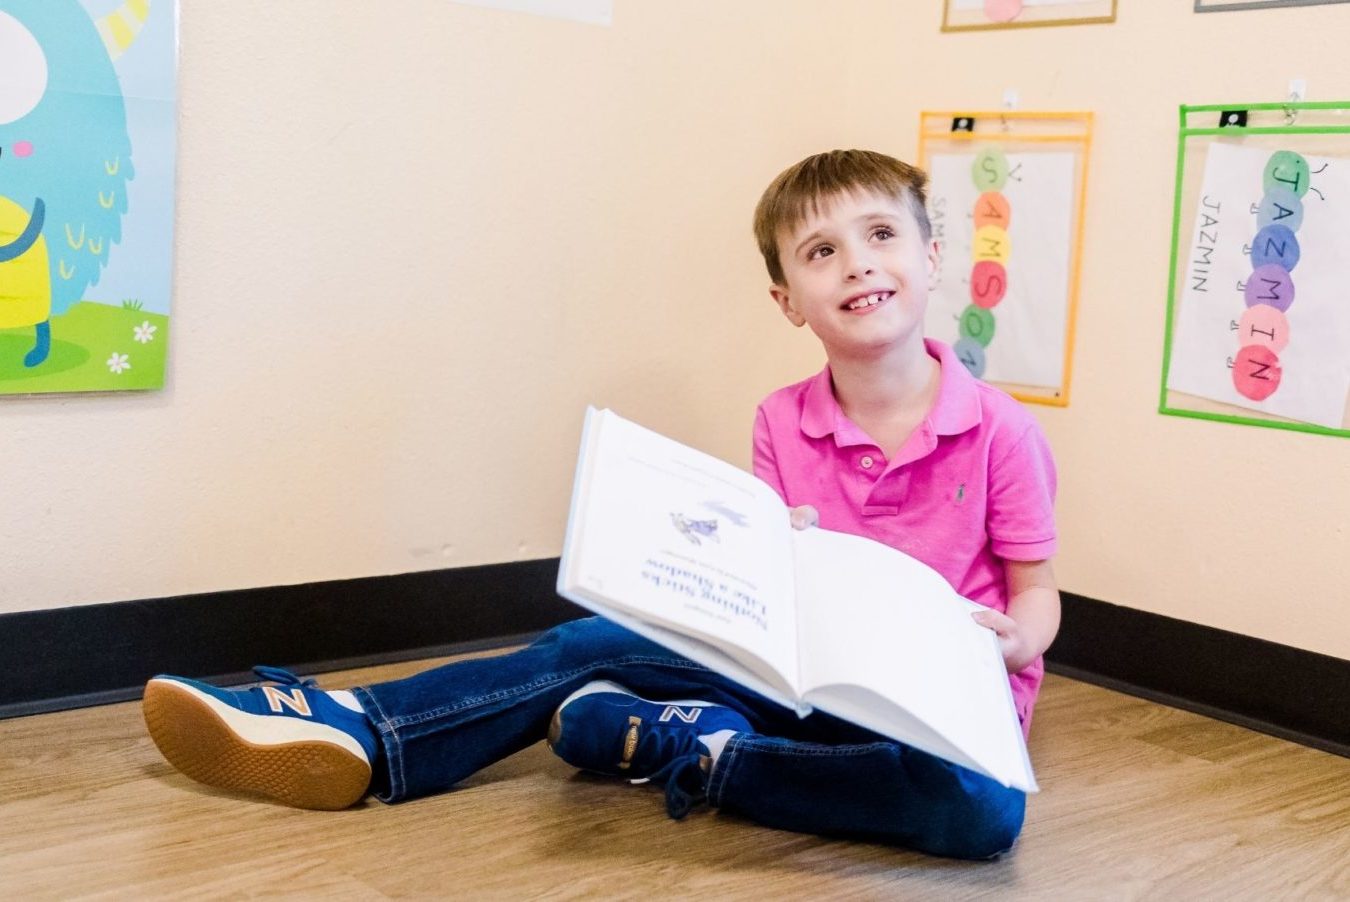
(993, 209)
(1270, 285)
(1280, 206)
(991, 243)
(1275, 244)
(970, 353)
(977, 324)
(1264, 326)
(988, 284)
(990, 169)
(1256, 372)
(1002, 10)
(1288, 170)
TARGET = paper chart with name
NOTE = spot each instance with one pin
(1263, 323)
(1004, 227)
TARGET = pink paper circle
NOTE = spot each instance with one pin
(23, 148)
(1265, 326)
(1002, 10)
(1256, 372)
(988, 284)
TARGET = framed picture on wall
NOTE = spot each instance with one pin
(1006, 200)
(1219, 6)
(1258, 331)
(980, 15)
(88, 127)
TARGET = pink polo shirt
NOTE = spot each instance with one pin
(973, 485)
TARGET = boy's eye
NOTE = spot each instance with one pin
(883, 232)
(820, 250)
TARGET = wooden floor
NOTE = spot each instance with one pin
(1139, 802)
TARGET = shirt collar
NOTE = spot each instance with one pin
(956, 409)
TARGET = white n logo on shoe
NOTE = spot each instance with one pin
(688, 715)
(295, 700)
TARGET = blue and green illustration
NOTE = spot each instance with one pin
(86, 193)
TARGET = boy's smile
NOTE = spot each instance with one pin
(867, 302)
(856, 271)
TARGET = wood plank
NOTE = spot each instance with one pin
(1139, 800)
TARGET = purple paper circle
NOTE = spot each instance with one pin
(1270, 285)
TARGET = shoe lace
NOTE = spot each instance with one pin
(681, 775)
(283, 677)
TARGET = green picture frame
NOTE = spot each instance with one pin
(1301, 121)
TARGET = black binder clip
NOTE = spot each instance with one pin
(1233, 119)
(963, 124)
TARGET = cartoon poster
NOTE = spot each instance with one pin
(1262, 323)
(1004, 224)
(87, 156)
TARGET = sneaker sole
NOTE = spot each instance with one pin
(197, 741)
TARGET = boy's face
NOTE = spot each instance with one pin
(857, 271)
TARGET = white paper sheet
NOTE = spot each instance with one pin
(686, 540)
(1030, 322)
(1314, 367)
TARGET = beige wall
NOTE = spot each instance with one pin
(412, 247)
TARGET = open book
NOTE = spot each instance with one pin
(700, 557)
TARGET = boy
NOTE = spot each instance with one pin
(893, 440)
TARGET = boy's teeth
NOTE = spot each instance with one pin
(869, 301)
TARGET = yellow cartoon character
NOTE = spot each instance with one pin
(25, 286)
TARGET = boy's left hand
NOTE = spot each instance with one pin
(1011, 640)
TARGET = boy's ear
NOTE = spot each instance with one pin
(934, 258)
(780, 297)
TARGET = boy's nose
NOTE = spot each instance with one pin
(859, 265)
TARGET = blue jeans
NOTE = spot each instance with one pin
(817, 774)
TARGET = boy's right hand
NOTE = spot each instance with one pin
(804, 517)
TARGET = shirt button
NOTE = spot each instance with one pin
(867, 462)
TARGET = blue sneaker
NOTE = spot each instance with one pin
(292, 741)
(605, 728)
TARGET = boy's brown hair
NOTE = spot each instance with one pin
(802, 187)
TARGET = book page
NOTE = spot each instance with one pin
(753, 675)
(873, 617)
(684, 541)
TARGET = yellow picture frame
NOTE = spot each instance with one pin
(955, 17)
(1027, 132)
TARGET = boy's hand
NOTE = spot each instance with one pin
(1011, 639)
(804, 517)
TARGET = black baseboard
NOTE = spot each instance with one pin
(103, 653)
(1276, 689)
(96, 654)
